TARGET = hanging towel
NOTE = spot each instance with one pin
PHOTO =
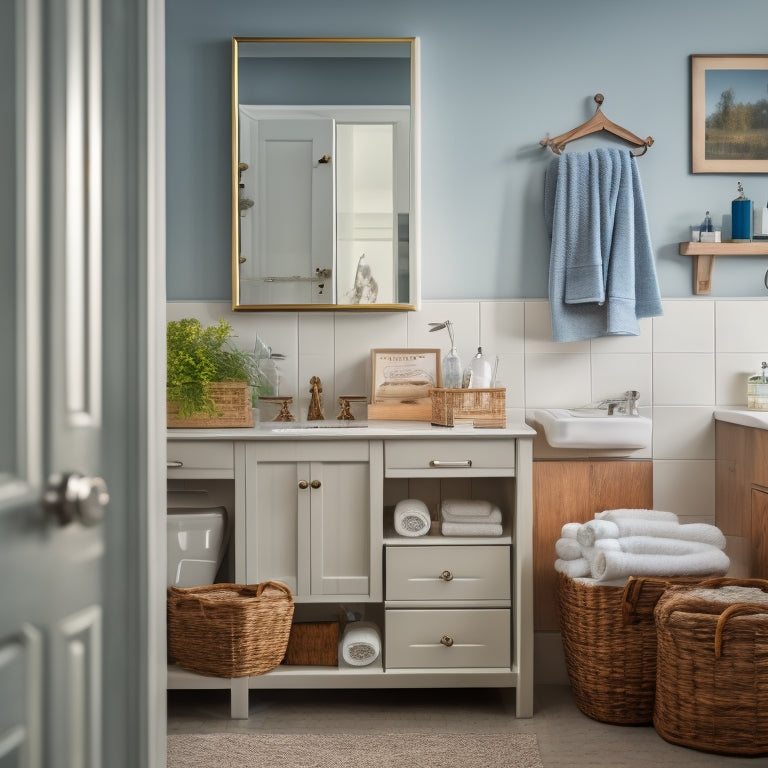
(602, 277)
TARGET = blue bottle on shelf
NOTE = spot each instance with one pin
(741, 218)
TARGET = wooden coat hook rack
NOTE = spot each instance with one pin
(598, 122)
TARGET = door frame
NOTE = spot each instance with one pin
(135, 665)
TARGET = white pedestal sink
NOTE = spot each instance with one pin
(593, 428)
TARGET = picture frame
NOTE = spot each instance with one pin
(729, 113)
(400, 383)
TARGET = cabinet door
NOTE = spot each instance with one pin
(339, 553)
(759, 566)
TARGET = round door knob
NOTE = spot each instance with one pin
(446, 576)
(315, 483)
(75, 497)
(303, 484)
(446, 640)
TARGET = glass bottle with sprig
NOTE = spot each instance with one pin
(451, 363)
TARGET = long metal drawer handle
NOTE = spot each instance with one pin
(174, 464)
(446, 576)
(446, 640)
(450, 464)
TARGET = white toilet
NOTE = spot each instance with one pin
(197, 539)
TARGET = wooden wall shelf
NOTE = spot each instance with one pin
(704, 258)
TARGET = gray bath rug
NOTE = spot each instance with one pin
(379, 750)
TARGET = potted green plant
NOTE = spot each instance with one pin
(208, 379)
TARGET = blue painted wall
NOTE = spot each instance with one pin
(497, 75)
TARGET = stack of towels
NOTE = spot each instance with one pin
(469, 517)
(620, 543)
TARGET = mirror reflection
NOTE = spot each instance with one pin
(324, 182)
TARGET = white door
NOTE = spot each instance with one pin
(64, 702)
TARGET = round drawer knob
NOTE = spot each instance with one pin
(303, 484)
(315, 483)
(446, 640)
(446, 576)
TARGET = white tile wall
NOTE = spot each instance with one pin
(696, 356)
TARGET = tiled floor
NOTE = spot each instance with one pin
(567, 738)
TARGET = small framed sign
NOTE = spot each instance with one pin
(400, 383)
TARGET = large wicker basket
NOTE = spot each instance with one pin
(229, 630)
(712, 681)
(232, 401)
(609, 641)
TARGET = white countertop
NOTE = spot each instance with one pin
(355, 430)
(743, 416)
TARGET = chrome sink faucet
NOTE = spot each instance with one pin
(626, 404)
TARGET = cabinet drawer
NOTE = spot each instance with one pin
(200, 458)
(448, 573)
(433, 639)
(448, 457)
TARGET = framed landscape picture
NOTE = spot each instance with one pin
(729, 113)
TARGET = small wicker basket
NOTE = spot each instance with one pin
(712, 679)
(229, 630)
(232, 400)
(477, 407)
(609, 641)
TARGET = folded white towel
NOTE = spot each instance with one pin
(568, 549)
(569, 530)
(471, 529)
(466, 507)
(708, 534)
(573, 568)
(360, 643)
(645, 514)
(609, 564)
(493, 516)
(656, 545)
(590, 532)
(412, 518)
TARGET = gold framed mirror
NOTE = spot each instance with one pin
(325, 174)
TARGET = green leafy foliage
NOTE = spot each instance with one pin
(198, 357)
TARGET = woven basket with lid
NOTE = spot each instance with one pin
(712, 674)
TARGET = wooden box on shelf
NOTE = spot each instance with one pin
(313, 643)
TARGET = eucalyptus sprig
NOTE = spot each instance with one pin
(198, 357)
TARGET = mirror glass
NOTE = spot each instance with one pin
(324, 178)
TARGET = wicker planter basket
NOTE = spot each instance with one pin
(712, 682)
(229, 630)
(609, 641)
(232, 400)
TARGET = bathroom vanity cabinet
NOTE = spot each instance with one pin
(313, 507)
(741, 488)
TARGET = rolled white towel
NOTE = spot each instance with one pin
(450, 516)
(610, 565)
(568, 549)
(412, 518)
(590, 532)
(644, 514)
(360, 643)
(600, 544)
(569, 530)
(471, 529)
(708, 534)
(474, 507)
(656, 545)
(573, 568)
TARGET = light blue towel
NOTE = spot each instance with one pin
(602, 276)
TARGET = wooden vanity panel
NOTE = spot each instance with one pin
(760, 457)
(573, 491)
(759, 546)
(731, 478)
